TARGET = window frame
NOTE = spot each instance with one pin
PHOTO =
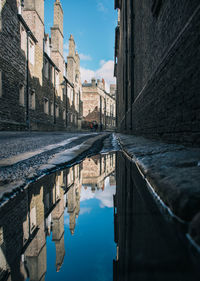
(32, 103)
(21, 94)
(46, 105)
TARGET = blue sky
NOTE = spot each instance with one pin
(92, 23)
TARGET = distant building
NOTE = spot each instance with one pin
(98, 105)
(157, 56)
(96, 169)
(37, 90)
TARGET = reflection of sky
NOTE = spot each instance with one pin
(105, 197)
(89, 253)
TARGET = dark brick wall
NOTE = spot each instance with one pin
(12, 65)
(160, 95)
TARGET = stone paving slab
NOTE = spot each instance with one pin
(5, 162)
(172, 170)
(15, 143)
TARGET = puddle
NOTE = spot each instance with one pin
(75, 224)
(61, 227)
(150, 244)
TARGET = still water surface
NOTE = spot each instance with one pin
(76, 225)
(63, 226)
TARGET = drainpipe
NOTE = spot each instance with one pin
(100, 110)
(105, 113)
(66, 94)
(27, 84)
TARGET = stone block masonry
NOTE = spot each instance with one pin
(157, 72)
(12, 67)
(34, 77)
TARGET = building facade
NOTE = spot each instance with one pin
(156, 64)
(98, 105)
(35, 88)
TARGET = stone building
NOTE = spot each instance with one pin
(96, 169)
(157, 68)
(35, 88)
(98, 105)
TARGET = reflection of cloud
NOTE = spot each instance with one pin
(86, 194)
(85, 210)
(66, 220)
(105, 197)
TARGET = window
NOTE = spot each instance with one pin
(57, 80)
(31, 52)
(32, 99)
(21, 94)
(1, 90)
(46, 106)
(51, 108)
(33, 218)
(19, 6)
(63, 93)
(57, 111)
(64, 114)
(23, 40)
(46, 68)
(51, 73)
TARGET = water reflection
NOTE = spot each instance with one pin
(44, 210)
(149, 245)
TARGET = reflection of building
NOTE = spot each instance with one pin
(149, 245)
(57, 216)
(98, 105)
(38, 212)
(36, 90)
(73, 195)
(35, 253)
(96, 169)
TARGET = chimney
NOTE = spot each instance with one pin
(103, 82)
(93, 82)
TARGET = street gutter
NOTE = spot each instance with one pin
(61, 160)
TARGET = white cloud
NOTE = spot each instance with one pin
(66, 46)
(85, 57)
(101, 7)
(105, 71)
(65, 54)
(102, 62)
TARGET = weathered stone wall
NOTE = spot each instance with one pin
(98, 106)
(13, 71)
(12, 67)
(158, 70)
